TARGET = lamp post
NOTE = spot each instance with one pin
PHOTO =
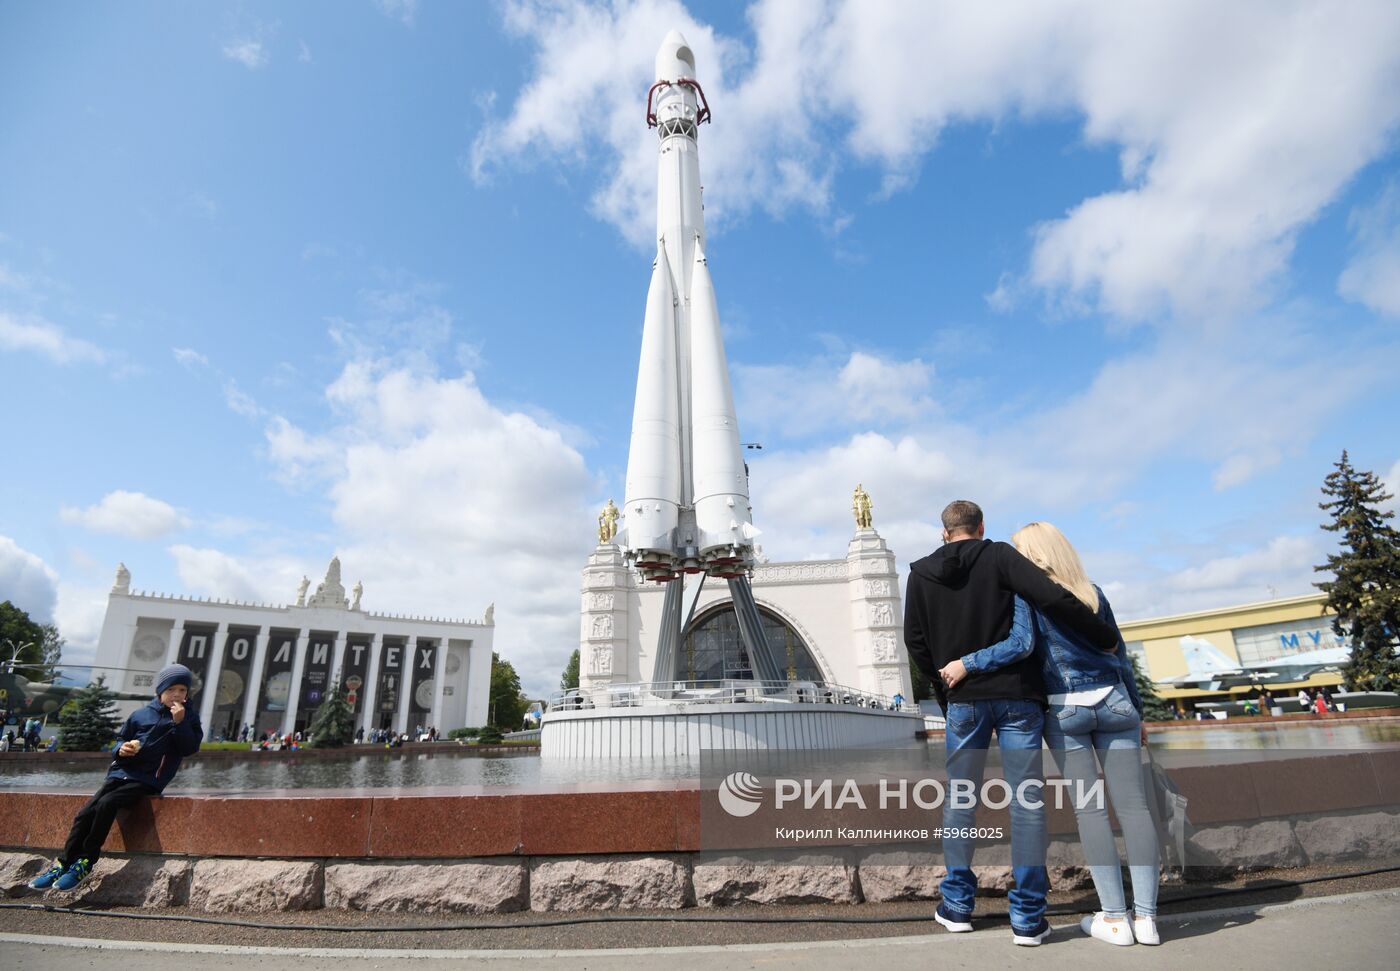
(15, 651)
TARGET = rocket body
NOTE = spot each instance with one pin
(687, 504)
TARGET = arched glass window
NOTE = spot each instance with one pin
(712, 648)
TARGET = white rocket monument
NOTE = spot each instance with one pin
(687, 507)
(687, 500)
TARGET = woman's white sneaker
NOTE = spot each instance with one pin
(1145, 930)
(1118, 932)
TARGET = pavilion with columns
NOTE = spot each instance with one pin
(271, 666)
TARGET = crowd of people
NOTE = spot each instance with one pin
(274, 740)
(28, 738)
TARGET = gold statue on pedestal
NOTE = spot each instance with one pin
(607, 524)
(860, 505)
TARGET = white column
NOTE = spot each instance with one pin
(410, 650)
(211, 676)
(255, 674)
(372, 684)
(337, 658)
(439, 676)
(123, 678)
(289, 717)
(177, 634)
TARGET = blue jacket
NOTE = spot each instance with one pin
(163, 744)
(1067, 663)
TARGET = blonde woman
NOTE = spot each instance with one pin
(1094, 711)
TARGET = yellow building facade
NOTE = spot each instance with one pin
(1250, 635)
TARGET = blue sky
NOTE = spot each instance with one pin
(279, 281)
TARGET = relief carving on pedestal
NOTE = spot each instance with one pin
(884, 647)
(881, 614)
(602, 628)
(600, 661)
(877, 588)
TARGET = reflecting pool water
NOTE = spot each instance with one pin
(453, 766)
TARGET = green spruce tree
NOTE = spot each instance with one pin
(1154, 709)
(1364, 591)
(569, 680)
(89, 721)
(334, 722)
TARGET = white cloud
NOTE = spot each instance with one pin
(240, 401)
(1235, 124)
(213, 573)
(27, 581)
(48, 339)
(865, 391)
(403, 11)
(189, 357)
(11, 279)
(304, 56)
(81, 610)
(1391, 481)
(247, 51)
(1287, 554)
(445, 503)
(1372, 277)
(130, 514)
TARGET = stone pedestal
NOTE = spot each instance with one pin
(603, 629)
(877, 616)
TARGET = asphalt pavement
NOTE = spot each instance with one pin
(1356, 930)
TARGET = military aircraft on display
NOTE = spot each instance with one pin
(22, 698)
(1207, 667)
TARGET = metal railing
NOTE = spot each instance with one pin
(729, 691)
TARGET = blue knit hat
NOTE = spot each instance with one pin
(174, 674)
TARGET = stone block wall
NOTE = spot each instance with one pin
(670, 881)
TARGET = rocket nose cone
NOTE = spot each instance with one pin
(674, 58)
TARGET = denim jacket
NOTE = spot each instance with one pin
(1066, 663)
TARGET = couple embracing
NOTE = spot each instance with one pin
(1018, 643)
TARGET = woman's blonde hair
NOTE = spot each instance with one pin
(1047, 548)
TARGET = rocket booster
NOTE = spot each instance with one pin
(687, 500)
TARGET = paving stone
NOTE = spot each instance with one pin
(480, 887)
(250, 886)
(1251, 846)
(1374, 837)
(138, 881)
(17, 869)
(811, 879)
(610, 883)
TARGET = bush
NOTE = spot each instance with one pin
(490, 735)
(457, 733)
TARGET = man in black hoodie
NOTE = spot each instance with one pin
(960, 599)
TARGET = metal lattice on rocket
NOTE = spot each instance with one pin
(687, 500)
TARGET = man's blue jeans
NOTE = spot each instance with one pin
(1018, 726)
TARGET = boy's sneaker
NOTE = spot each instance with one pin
(1099, 927)
(955, 923)
(46, 879)
(74, 875)
(1033, 937)
(1145, 929)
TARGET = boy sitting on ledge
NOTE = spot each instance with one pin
(154, 740)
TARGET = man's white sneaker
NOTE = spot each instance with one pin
(1118, 932)
(1145, 930)
(951, 921)
(1031, 938)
